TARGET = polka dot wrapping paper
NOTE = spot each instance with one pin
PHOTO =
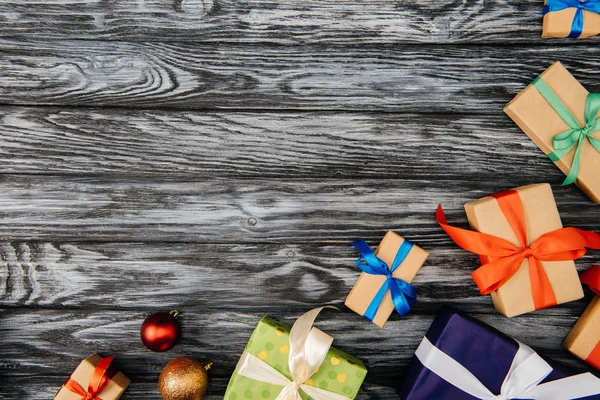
(340, 373)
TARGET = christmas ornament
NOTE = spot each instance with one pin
(183, 379)
(160, 331)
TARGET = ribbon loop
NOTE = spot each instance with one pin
(576, 136)
(308, 349)
(523, 380)
(403, 293)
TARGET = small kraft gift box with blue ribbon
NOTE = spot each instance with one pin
(563, 119)
(571, 18)
(384, 284)
(464, 359)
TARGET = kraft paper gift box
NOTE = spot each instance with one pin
(485, 355)
(338, 373)
(530, 284)
(571, 18)
(368, 285)
(584, 339)
(533, 113)
(113, 389)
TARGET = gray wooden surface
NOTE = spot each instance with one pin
(219, 156)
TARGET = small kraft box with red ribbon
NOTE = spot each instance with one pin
(94, 379)
(526, 254)
(584, 339)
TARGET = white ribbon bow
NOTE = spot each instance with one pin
(308, 349)
(522, 381)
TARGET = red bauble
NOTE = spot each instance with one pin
(160, 331)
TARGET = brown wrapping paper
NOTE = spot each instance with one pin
(558, 24)
(532, 113)
(585, 335)
(367, 286)
(82, 375)
(541, 216)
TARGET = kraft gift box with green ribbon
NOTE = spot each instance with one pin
(562, 118)
(338, 375)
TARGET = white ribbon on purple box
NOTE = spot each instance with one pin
(523, 380)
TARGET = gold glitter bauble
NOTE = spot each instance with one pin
(183, 379)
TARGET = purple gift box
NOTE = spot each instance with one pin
(484, 351)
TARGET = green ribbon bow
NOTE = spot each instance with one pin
(576, 136)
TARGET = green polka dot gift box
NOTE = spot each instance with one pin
(340, 374)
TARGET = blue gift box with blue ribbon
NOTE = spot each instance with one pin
(461, 358)
(385, 281)
(571, 18)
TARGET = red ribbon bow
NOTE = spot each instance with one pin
(591, 277)
(97, 383)
(502, 259)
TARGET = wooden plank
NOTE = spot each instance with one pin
(276, 21)
(432, 79)
(137, 275)
(243, 144)
(239, 211)
(49, 343)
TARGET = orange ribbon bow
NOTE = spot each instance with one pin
(97, 383)
(501, 259)
(591, 277)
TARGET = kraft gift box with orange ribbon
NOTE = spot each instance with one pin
(279, 363)
(584, 339)
(526, 254)
(384, 284)
(561, 117)
(94, 379)
(571, 18)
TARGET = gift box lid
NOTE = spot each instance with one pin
(486, 352)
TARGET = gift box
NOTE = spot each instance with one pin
(560, 116)
(94, 377)
(571, 18)
(464, 359)
(584, 339)
(270, 365)
(526, 254)
(375, 295)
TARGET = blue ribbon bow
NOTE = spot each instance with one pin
(580, 5)
(403, 293)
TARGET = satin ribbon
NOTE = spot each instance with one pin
(523, 380)
(591, 277)
(503, 259)
(308, 349)
(575, 137)
(403, 293)
(580, 5)
(97, 383)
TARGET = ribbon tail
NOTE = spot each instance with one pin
(403, 295)
(493, 275)
(574, 171)
(75, 387)
(253, 367)
(542, 291)
(572, 387)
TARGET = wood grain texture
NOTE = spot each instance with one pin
(55, 340)
(37, 207)
(276, 21)
(120, 142)
(431, 79)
